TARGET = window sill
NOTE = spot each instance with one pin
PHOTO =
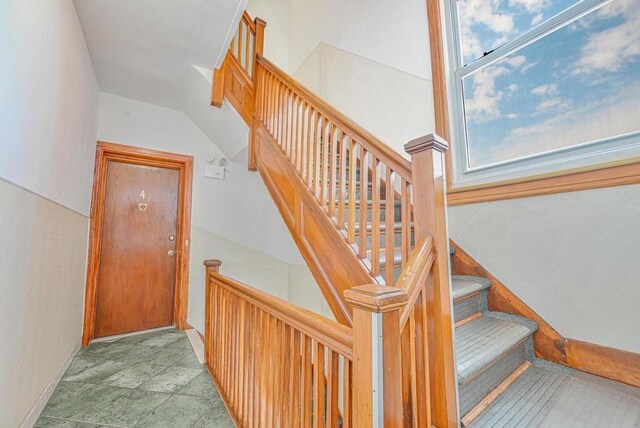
(598, 176)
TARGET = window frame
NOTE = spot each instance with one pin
(613, 150)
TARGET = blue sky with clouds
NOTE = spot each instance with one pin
(578, 84)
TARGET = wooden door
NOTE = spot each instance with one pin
(137, 271)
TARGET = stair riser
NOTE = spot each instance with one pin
(474, 390)
(465, 308)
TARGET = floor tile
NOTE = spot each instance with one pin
(171, 379)
(182, 343)
(179, 411)
(141, 337)
(67, 391)
(112, 351)
(82, 362)
(168, 356)
(189, 361)
(164, 339)
(129, 409)
(133, 376)
(96, 374)
(46, 422)
(85, 405)
(201, 386)
(218, 417)
(138, 354)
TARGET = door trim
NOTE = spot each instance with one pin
(106, 151)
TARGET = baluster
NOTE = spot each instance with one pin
(294, 390)
(239, 56)
(389, 226)
(352, 182)
(405, 204)
(310, 145)
(342, 178)
(325, 162)
(334, 143)
(364, 196)
(318, 386)
(307, 374)
(332, 390)
(318, 156)
(375, 216)
(264, 371)
(346, 393)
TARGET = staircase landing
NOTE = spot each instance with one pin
(551, 396)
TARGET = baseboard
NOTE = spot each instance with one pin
(610, 363)
(38, 407)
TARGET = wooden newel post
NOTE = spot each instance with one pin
(211, 266)
(259, 50)
(430, 217)
(377, 365)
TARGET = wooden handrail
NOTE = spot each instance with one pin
(372, 143)
(414, 275)
(335, 335)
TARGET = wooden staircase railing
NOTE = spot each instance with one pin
(276, 364)
(372, 227)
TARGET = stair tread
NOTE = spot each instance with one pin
(482, 341)
(464, 285)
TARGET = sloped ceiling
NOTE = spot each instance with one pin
(147, 50)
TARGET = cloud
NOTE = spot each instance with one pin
(484, 12)
(484, 102)
(615, 47)
(542, 90)
(616, 115)
(532, 6)
(538, 18)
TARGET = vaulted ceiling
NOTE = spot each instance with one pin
(148, 50)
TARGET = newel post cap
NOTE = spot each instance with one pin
(376, 298)
(212, 263)
(260, 21)
(431, 141)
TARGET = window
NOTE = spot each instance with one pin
(541, 86)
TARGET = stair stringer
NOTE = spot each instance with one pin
(333, 263)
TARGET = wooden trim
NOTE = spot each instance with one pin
(495, 393)
(105, 152)
(596, 178)
(468, 319)
(611, 363)
(437, 46)
(603, 361)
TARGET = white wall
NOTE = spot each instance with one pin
(48, 124)
(393, 105)
(49, 101)
(571, 257)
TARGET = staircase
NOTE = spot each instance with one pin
(371, 226)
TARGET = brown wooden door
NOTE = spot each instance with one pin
(137, 274)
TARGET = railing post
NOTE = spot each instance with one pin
(259, 50)
(217, 87)
(429, 207)
(211, 265)
(377, 363)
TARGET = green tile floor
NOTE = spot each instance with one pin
(147, 380)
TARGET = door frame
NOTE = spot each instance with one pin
(105, 152)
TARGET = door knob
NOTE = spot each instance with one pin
(170, 253)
